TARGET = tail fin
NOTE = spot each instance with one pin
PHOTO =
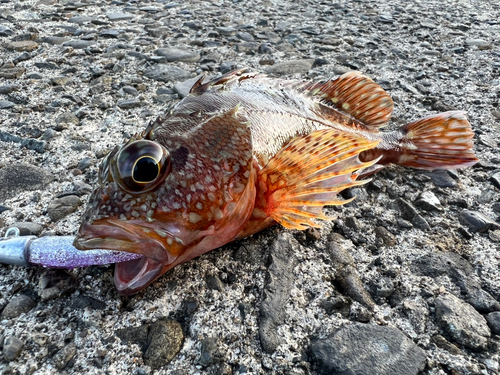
(442, 141)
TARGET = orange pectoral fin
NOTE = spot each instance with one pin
(308, 173)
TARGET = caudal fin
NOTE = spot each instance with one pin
(442, 141)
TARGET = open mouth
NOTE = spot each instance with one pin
(111, 234)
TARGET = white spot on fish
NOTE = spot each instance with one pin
(194, 217)
(199, 206)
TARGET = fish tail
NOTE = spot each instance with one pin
(442, 141)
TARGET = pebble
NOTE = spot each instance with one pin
(62, 358)
(54, 284)
(408, 212)
(65, 120)
(476, 221)
(60, 80)
(495, 180)
(12, 347)
(5, 31)
(166, 73)
(208, 351)
(226, 31)
(12, 72)
(165, 340)
(387, 237)
(7, 89)
(23, 45)
(461, 322)
(493, 320)
(117, 16)
(280, 280)
(480, 43)
(178, 54)
(213, 282)
(441, 178)
(16, 178)
(347, 278)
(82, 302)
(55, 40)
(18, 305)
(129, 103)
(429, 202)
(367, 349)
(291, 67)
(29, 143)
(85, 163)
(28, 228)
(79, 44)
(5, 104)
(62, 207)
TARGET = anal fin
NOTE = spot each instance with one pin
(309, 172)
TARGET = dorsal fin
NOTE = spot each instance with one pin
(356, 95)
(225, 80)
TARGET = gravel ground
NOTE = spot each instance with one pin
(405, 281)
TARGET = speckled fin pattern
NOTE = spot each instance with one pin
(308, 173)
(439, 141)
(357, 95)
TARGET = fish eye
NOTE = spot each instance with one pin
(141, 166)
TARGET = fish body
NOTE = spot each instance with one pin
(243, 152)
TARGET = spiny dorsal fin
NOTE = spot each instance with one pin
(308, 173)
(224, 81)
(358, 96)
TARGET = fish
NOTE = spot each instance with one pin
(243, 152)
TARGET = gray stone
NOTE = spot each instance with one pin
(5, 31)
(166, 73)
(117, 16)
(5, 104)
(441, 178)
(64, 355)
(165, 341)
(79, 44)
(84, 163)
(214, 283)
(247, 47)
(129, 103)
(477, 221)
(178, 54)
(11, 72)
(111, 33)
(18, 305)
(461, 322)
(367, 349)
(23, 45)
(428, 201)
(388, 239)
(55, 40)
(65, 119)
(16, 178)
(62, 207)
(495, 180)
(60, 80)
(226, 31)
(7, 89)
(347, 278)
(291, 67)
(408, 212)
(208, 351)
(80, 20)
(54, 284)
(280, 279)
(480, 43)
(12, 347)
(493, 320)
(28, 228)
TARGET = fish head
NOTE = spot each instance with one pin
(171, 196)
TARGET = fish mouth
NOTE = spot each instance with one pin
(112, 234)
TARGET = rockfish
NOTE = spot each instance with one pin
(244, 152)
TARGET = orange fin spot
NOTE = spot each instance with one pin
(357, 95)
(308, 173)
(438, 141)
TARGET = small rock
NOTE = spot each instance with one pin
(17, 305)
(129, 103)
(493, 320)
(28, 228)
(247, 47)
(64, 355)
(7, 89)
(291, 67)
(12, 347)
(60, 80)
(55, 40)
(208, 349)
(381, 287)
(165, 341)
(367, 349)
(214, 283)
(85, 163)
(64, 120)
(117, 16)
(461, 322)
(227, 31)
(428, 201)
(408, 212)
(387, 237)
(477, 221)
(442, 343)
(495, 179)
(178, 54)
(11, 72)
(385, 18)
(82, 302)
(5, 31)
(480, 43)
(62, 207)
(79, 44)
(166, 73)
(110, 33)
(16, 178)
(5, 104)
(277, 290)
(54, 284)
(347, 278)
(441, 178)
(130, 90)
(339, 304)
(23, 45)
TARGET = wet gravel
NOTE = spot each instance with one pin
(408, 274)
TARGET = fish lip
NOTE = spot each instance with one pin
(115, 234)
